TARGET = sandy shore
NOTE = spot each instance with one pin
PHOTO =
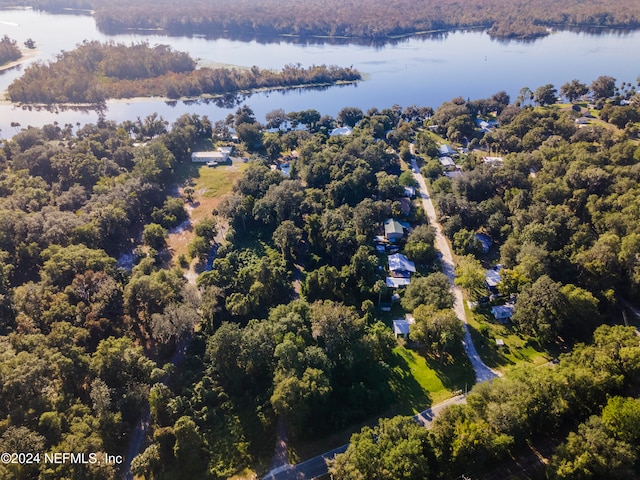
(27, 54)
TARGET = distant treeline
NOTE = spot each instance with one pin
(375, 19)
(94, 72)
(9, 50)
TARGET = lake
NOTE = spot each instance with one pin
(418, 70)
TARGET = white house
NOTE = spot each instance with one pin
(206, 157)
(341, 131)
(492, 278)
(401, 327)
(401, 266)
(397, 282)
(446, 150)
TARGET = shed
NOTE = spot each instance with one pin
(405, 205)
(493, 161)
(485, 240)
(410, 192)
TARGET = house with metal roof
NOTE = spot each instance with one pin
(393, 230)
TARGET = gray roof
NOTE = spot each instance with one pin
(397, 282)
(399, 262)
(401, 327)
(391, 225)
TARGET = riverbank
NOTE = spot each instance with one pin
(27, 55)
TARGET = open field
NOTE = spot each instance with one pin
(210, 185)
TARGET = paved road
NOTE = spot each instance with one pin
(316, 467)
(483, 372)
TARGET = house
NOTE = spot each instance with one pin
(502, 313)
(485, 240)
(227, 150)
(409, 192)
(393, 230)
(341, 131)
(401, 266)
(397, 282)
(206, 157)
(445, 150)
(402, 326)
(447, 162)
(492, 278)
(493, 161)
(405, 205)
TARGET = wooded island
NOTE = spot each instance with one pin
(95, 72)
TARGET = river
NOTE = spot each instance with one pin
(423, 70)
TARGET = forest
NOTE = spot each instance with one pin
(95, 72)
(287, 325)
(9, 51)
(374, 19)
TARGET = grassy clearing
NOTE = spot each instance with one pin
(420, 380)
(210, 186)
(517, 348)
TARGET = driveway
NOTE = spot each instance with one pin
(482, 372)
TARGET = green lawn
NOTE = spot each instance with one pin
(419, 380)
(517, 348)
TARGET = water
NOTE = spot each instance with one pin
(419, 70)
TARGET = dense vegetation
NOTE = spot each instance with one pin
(94, 72)
(79, 334)
(502, 416)
(562, 209)
(9, 50)
(283, 328)
(374, 19)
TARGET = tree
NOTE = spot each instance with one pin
(287, 237)
(275, 118)
(349, 116)
(470, 275)
(439, 328)
(573, 90)
(593, 453)
(174, 323)
(540, 309)
(250, 134)
(545, 95)
(603, 87)
(434, 290)
(397, 448)
(189, 448)
(155, 236)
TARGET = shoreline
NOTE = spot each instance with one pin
(27, 55)
(205, 96)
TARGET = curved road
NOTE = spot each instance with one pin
(483, 373)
